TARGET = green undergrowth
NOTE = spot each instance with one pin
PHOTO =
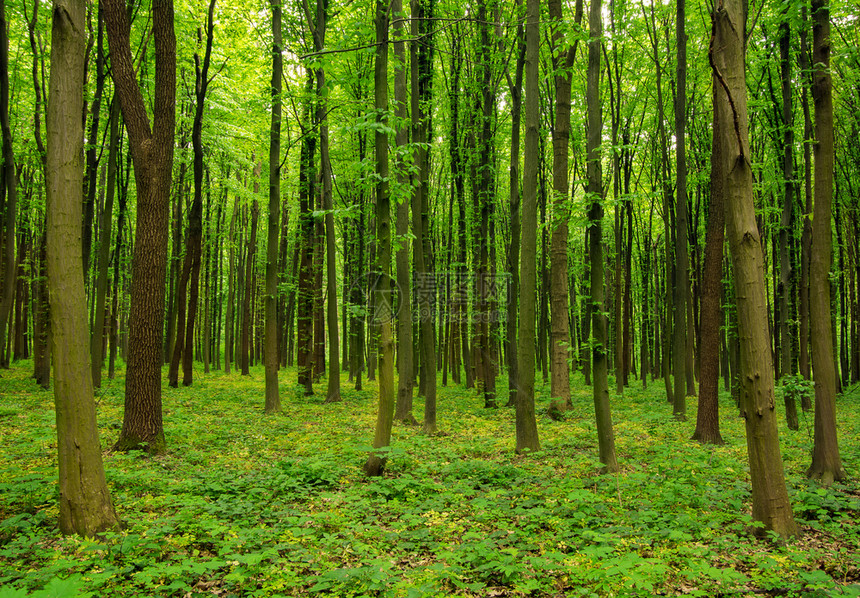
(251, 505)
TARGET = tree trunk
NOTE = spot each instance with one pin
(787, 221)
(403, 408)
(152, 152)
(247, 304)
(85, 502)
(375, 463)
(271, 360)
(600, 363)
(770, 504)
(826, 463)
(97, 335)
(559, 348)
(526, 424)
(8, 192)
(92, 147)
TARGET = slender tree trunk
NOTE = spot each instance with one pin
(600, 365)
(273, 399)
(92, 147)
(97, 334)
(85, 502)
(826, 463)
(247, 304)
(682, 259)
(516, 88)
(787, 220)
(770, 503)
(152, 152)
(560, 328)
(385, 414)
(403, 408)
(526, 424)
(9, 192)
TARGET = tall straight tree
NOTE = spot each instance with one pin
(682, 259)
(271, 358)
(422, 79)
(85, 503)
(770, 504)
(559, 349)
(594, 174)
(317, 24)
(515, 87)
(382, 288)
(8, 193)
(526, 424)
(403, 408)
(152, 153)
(826, 462)
(97, 336)
(787, 221)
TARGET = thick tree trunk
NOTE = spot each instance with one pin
(526, 424)
(770, 503)
(826, 463)
(85, 502)
(152, 152)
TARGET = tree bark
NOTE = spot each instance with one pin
(600, 363)
(560, 328)
(273, 399)
(405, 368)
(85, 502)
(770, 503)
(97, 336)
(826, 463)
(152, 152)
(8, 192)
(375, 463)
(526, 424)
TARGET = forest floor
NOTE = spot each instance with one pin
(250, 505)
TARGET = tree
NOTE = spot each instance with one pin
(152, 153)
(8, 192)
(405, 370)
(85, 503)
(594, 172)
(560, 330)
(375, 463)
(682, 260)
(273, 399)
(526, 425)
(770, 503)
(826, 463)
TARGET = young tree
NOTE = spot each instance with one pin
(826, 462)
(8, 193)
(594, 172)
(152, 153)
(85, 503)
(526, 424)
(562, 58)
(271, 359)
(382, 288)
(770, 503)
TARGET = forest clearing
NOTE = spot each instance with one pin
(277, 505)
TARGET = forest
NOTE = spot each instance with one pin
(503, 298)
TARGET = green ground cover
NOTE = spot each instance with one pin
(252, 505)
